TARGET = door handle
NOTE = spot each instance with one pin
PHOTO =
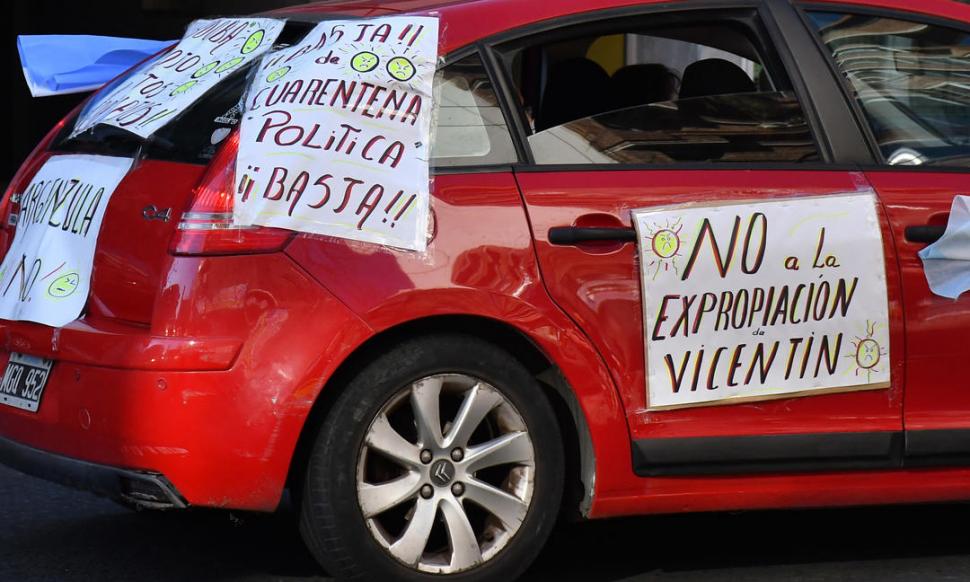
(571, 235)
(926, 233)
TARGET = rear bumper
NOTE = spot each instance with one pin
(118, 345)
(222, 438)
(214, 397)
(146, 489)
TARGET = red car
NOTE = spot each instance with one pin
(435, 413)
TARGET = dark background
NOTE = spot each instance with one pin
(47, 531)
(30, 118)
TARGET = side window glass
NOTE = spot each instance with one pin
(650, 93)
(912, 81)
(470, 128)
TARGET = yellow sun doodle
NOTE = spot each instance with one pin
(64, 285)
(364, 62)
(252, 43)
(182, 88)
(664, 246)
(277, 74)
(867, 352)
(228, 65)
(204, 70)
(400, 68)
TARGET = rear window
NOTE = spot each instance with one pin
(193, 137)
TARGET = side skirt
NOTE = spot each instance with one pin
(800, 453)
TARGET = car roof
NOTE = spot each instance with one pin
(466, 21)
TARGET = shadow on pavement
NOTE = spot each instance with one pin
(117, 544)
(928, 542)
(51, 533)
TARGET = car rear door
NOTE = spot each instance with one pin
(720, 141)
(907, 74)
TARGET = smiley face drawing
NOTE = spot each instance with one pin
(252, 43)
(665, 243)
(663, 248)
(182, 88)
(364, 62)
(277, 74)
(64, 285)
(400, 68)
(204, 70)
(867, 354)
(228, 65)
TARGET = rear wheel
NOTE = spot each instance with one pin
(441, 458)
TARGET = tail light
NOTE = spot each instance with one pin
(40, 154)
(206, 226)
(10, 204)
(17, 186)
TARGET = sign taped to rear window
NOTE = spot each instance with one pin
(210, 51)
(335, 138)
(762, 300)
(46, 274)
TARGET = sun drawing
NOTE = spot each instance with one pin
(867, 355)
(364, 62)
(664, 246)
(386, 64)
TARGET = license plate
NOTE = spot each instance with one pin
(24, 380)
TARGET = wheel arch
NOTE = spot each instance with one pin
(579, 451)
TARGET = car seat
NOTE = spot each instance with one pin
(576, 88)
(714, 77)
(640, 84)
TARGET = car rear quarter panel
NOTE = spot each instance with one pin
(136, 398)
(481, 263)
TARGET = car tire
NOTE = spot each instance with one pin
(369, 499)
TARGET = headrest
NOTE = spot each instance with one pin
(714, 77)
(641, 84)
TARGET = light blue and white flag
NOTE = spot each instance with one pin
(57, 64)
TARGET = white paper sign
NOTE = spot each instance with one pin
(763, 299)
(335, 139)
(210, 51)
(46, 274)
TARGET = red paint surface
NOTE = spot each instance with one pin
(599, 288)
(204, 368)
(937, 328)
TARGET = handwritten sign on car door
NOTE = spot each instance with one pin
(763, 299)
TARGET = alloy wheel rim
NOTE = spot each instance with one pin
(446, 474)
